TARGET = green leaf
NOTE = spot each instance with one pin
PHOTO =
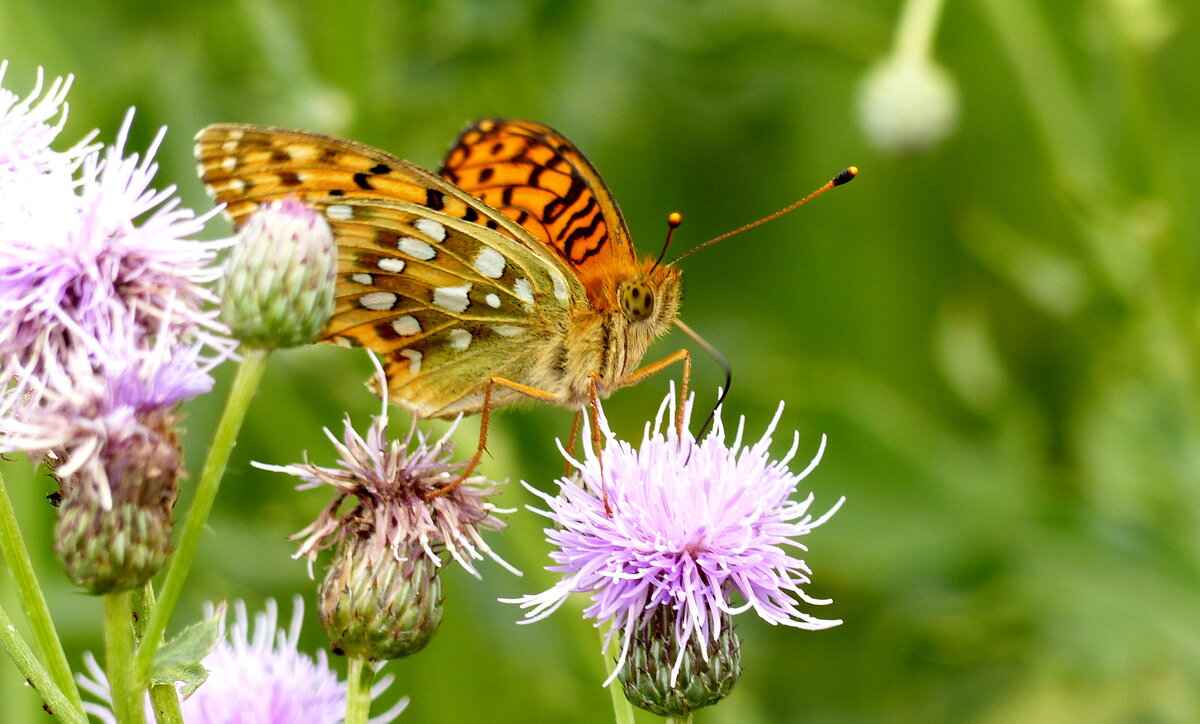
(179, 658)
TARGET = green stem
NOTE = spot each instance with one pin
(359, 677)
(164, 699)
(914, 32)
(254, 362)
(118, 658)
(16, 555)
(622, 709)
(56, 702)
(685, 719)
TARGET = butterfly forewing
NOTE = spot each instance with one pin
(447, 289)
(538, 178)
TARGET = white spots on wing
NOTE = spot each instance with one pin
(230, 146)
(339, 212)
(406, 326)
(201, 171)
(492, 300)
(489, 263)
(524, 290)
(236, 134)
(237, 185)
(460, 338)
(303, 152)
(378, 301)
(229, 163)
(507, 330)
(431, 228)
(414, 360)
(452, 299)
(364, 279)
(560, 285)
(416, 248)
(394, 266)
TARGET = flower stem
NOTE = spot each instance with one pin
(254, 362)
(16, 555)
(37, 676)
(914, 32)
(685, 719)
(118, 658)
(622, 709)
(359, 678)
(164, 699)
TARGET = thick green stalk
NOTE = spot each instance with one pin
(127, 695)
(16, 555)
(914, 32)
(359, 677)
(36, 674)
(254, 362)
(163, 697)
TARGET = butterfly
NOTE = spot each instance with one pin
(510, 275)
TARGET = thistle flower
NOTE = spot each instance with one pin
(26, 131)
(381, 597)
(279, 279)
(256, 676)
(689, 527)
(83, 258)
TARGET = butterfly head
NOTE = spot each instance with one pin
(650, 298)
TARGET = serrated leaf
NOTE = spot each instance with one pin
(179, 658)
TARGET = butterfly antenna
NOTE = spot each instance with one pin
(674, 219)
(842, 178)
(720, 359)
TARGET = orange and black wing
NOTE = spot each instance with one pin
(538, 178)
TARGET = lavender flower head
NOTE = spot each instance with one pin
(257, 677)
(690, 527)
(80, 255)
(391, 481)
(381, 596)
(26, 131)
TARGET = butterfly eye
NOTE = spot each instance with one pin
(637, 300)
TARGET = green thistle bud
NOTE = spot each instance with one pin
(376, 607)
(277, 289)
(907, 105)
(119, 541)
(654, 652)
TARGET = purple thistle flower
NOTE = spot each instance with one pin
(381, 596)
(26, 131)
(690, 528)
(79, 256)
(390, 480)
(256, 677)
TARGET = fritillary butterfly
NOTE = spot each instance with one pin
(510, 276)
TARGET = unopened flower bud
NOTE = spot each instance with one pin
(907, 105)
(279, 278)
(378, 607)
(651, 682)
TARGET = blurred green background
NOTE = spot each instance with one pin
(999, 334)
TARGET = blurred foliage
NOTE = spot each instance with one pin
(1000, 336)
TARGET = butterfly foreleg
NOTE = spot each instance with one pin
(575, 422)
(485, 415)
(654, 368)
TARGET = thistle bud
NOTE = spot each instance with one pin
(657, 678)
(119, 540)
(279, 278)
(381, 609)
(907, 105)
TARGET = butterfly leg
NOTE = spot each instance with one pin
(655, 367)
(484, 416)
(575, 422)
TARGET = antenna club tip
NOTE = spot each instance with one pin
(674, 219)
(845, 176)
